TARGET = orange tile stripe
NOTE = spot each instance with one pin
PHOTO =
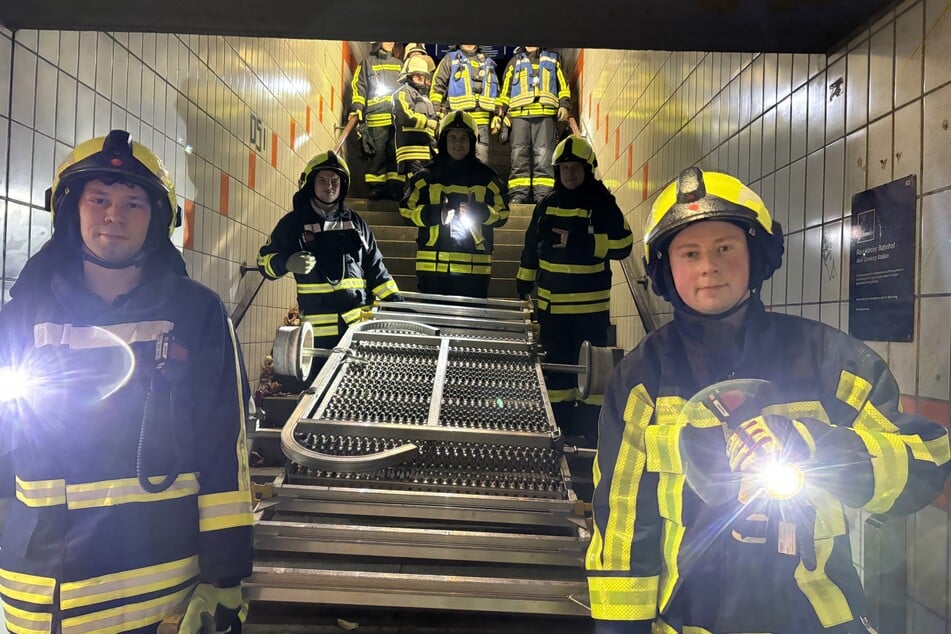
(597, 117)
(332, 98)
(274, 149)
(617, 142)
(607, 126)
(644, 179)
(320, 108)
(189, 228)
(307, 120)
(630, 160)
(252, 165)
(223, 198)
(293, 132)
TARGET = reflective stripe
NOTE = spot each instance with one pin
(395, 176)
(127, 617)
(464, 269)
(218, 511)
(601, 244)
(520, 182)
(543, 181)
(379, 120)
(826, 598)
(560, 396)
(564, 298)
(241, 444)
(36, 493)
(374, 178)
(938, 448)
(322, 318)
(545, 265)
(889, 468)
(24, 622)
(322, 288)
(852, 390)
(454, 256)
(128, 583)
(86, 337)
(670, 505)
(623, 598)
(127, 490)
(593, 399)
(662, 444)
(413, 153)
(436, 191)
(799, 410)
(386, 289)
(575, 309)
(621, 243)
(27, 588)
(526, 275)
(264, 261)
(352, 315)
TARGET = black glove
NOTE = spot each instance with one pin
(622, 627)
(395, 297)
(524, 288)
(504, 134)
(367, 150)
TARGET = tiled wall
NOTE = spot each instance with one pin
(806, 132)
(233, 119)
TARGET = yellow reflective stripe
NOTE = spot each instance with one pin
(520, 182)
(662, 443)
(830, 517)
(563, 212)
(936, 450)
(383, 66)
(621, 243)
(582, 269)
(375, 101)
(578, 309)
(427, 267)
(601, 245)
(623, 598)
(379, 120)
(352, 315)
(321, 318)
(317, 289)
(799, 410)
(90, 337)
(374, 178)
(264, 261)
(436, 191)
(36, 493)
(218, 511)
(560, 396)
(826, 598)
(443, 267)
(127, 617)
(324, 330)
(243, 474)
(28, 588)
(669, 501)
(21, 621)
(426, 255)
(413, 153)
(574, 297)
(619, 533)
(889, 468)
(593, 399)
(852, 390)
(386, 289)
(544, 181)
(871, 418)
(395, 176)
(526, 275)
(127, 490)
(454, 256)
(128, 583)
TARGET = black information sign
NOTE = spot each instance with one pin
(882, 253)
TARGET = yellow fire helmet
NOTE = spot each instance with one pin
(697, 196)
(460, 120)
(418, 65)
(115, 156)
(328, 160)
(575, 148)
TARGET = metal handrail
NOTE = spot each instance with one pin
(351, 122)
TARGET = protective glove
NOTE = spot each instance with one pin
(367, 150)
(768, 438)
(395, 297)
(562, 113)
(431, 125)
(504, 134)
(211, 608)
(496, 124)
(524, 288)
(301, 263)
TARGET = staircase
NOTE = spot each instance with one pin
(397, 242)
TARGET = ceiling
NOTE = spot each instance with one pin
(803, 26)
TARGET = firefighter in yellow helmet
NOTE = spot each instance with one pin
(575, 232)
(457, 202)
(416, 120)
(125, 453)
(373, 83)
(414, 49)
(465, 80)
(330, 250)
(534, 94)
(732, 554)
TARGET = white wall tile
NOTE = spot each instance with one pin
(880, 154)
(936, 47)
(856, 92)
(935, 267)
(908, 54)
(936, 129)
(934, 362)
(881, 72)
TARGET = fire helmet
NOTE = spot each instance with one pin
(697, 196)
(328, 160)
(575, 148)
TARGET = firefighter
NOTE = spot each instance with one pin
(534, 93)
(456, 202)
(412, 50)
(465, 80)
(131, 499)
(574, 233)
(373, 84)
(659, 552)
(415, 117)
(330, 250)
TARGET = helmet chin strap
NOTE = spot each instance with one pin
(135, 260)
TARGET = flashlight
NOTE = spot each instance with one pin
(781, 481)
(15, 383)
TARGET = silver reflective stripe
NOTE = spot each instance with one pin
(25, 622)
(127, 490)
(27, 588)
(41, 492)
(80, 337)
(127, 617)
(128, 583)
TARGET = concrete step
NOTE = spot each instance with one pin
(501, 269)
(517, 220)
(498, 287)
(503, 236)
(508, 256)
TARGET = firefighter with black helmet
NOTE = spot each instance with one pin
(124, 452)
(465, 80)
(330, 250)
(373, 84)
(457, 202)
(575, 232)
(663, 553)
(534, 95)
(416, 119)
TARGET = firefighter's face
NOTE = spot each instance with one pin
(571, 174)
(468, 48)
(531, 49)
(327, 186)
(387, 46)
(419, 79)
(114, 219)
(710, 265)
(457, 144)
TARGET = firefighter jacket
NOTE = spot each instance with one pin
(534, 85)
(575, 278)
(349, 271)
(466, 82)
(658, 552)
(414, 110)
(457, 246)
(373, 84)
(87, 547)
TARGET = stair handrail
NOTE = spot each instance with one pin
(241, 308)
(351, 122)
(573, 125)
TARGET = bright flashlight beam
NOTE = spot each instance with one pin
(15, 383)
(781, 481)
